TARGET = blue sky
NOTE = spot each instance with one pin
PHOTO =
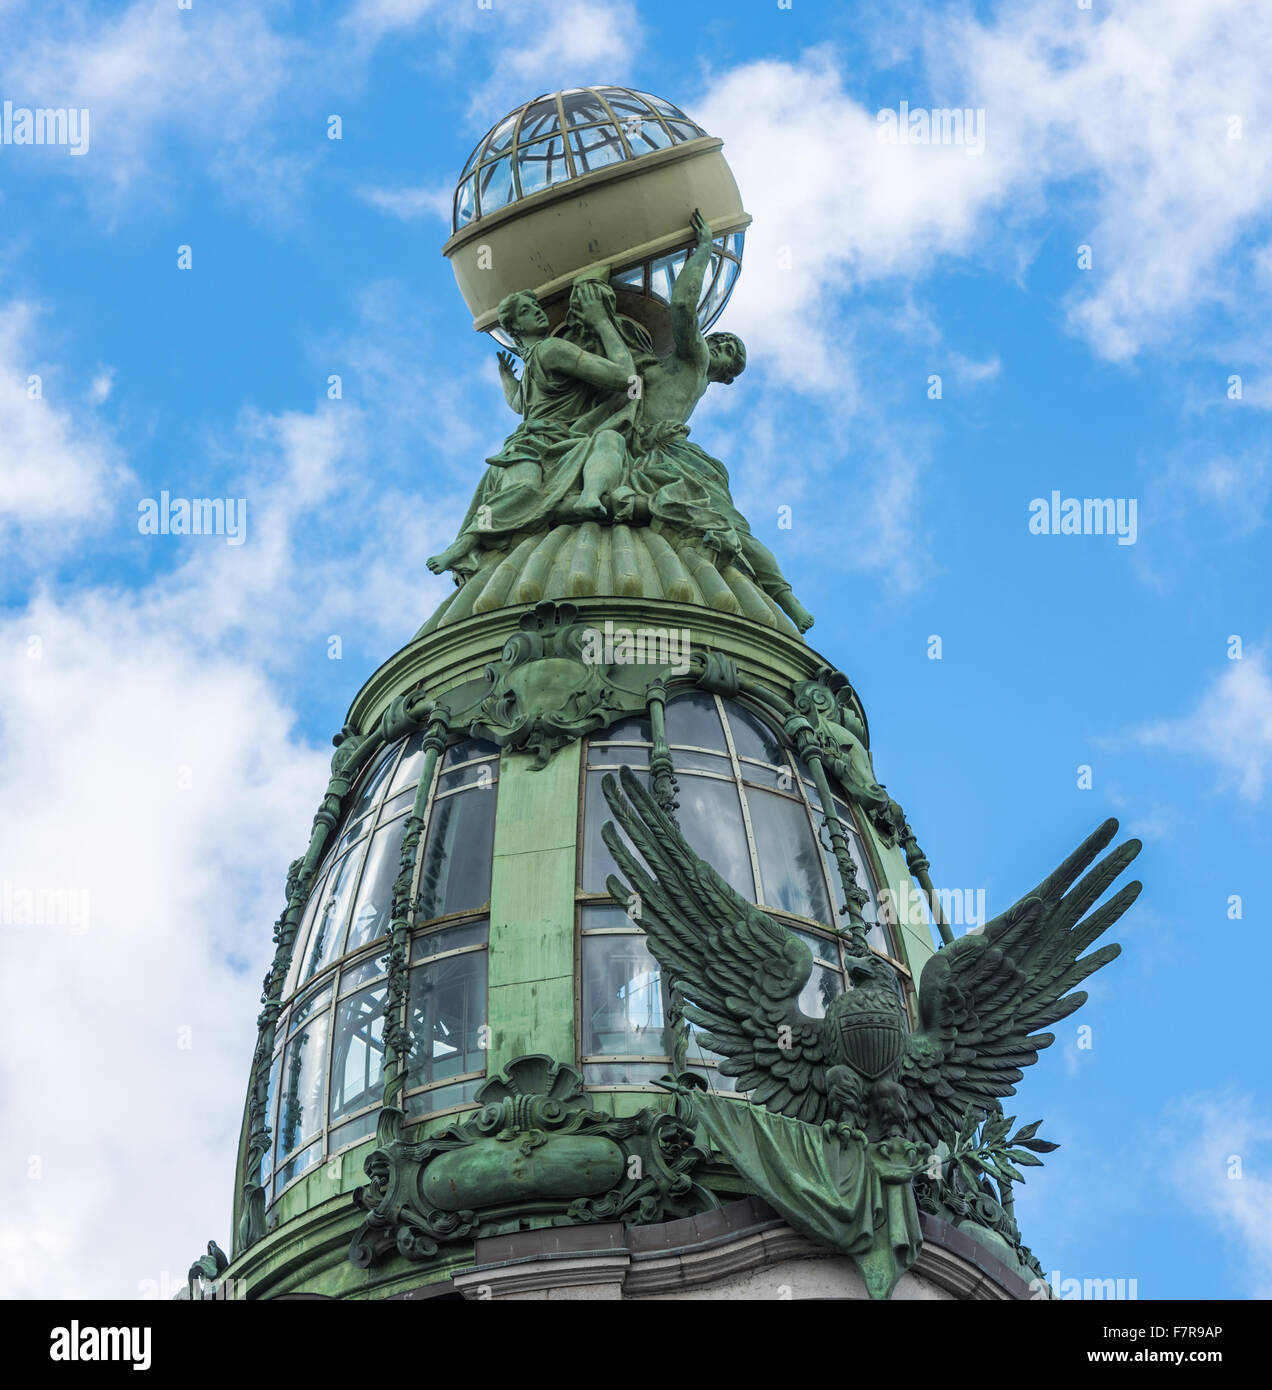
(166, 702)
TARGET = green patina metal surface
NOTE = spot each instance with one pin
(532, 909)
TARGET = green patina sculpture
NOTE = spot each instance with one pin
(534, 1153)
(604, 433)
(738, 974)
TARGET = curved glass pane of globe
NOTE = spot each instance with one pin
(596, 147)
(541, 165)
(526, 153)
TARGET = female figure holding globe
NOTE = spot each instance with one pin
(575, 407)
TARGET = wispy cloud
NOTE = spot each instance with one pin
(57, 466)
(1231, 726)
(1220, 1145)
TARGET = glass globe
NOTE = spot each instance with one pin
(564, 136)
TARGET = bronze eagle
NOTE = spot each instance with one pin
(737, 973)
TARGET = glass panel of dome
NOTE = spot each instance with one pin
(465, 203)
(664, 108)
(618, 755)
(824, 985)
(825, 951)
(711, 820)
(407, 772)
(369, 788)
(447, 1016)
(304, 1072)
(294, 1167)
(635, 277)
(329, 926)
(307, 1008)
(481, 774)
(693, 720)
(623, 1073)
(540, 119)
(373, 908)
(456, 872)
(622, 1005)
(443, 1097)
(271, 1095)
(597, 861)
(595, 148)
(435, 943)
(790, 859)
(649, 135)
(370, 969)
(467, 749)
(495, 188)
(501, 137)
(635, 729)
(753, 738)
(624, 104)
(356, 830)
(471, 161)
(683, 130)
(541, 165)
(351, 1131)
(582, 108)
(357, 1052)
(300, 945)
(713, 302)
(662, 276)
(396, 805)
(733, 244)
(776, 779)
(606, 917)
(716, 763)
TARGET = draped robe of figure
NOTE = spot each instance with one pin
(531, 480)
(688, 490)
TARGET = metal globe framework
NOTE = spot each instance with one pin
(586, 178)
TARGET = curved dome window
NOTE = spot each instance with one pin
(327, 1077)
(748, 806)
(564, 136)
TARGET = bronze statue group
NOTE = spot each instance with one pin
(604, 434)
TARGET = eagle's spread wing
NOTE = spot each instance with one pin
(733, 971)
(982, 997)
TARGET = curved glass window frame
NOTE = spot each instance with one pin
(317, 1000)
(529, 129)
(748, 774)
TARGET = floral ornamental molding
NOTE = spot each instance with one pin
(545, 692)
(857, 1102)
(534, 1151)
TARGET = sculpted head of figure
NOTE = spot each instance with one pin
(728, 357)
(521, 313)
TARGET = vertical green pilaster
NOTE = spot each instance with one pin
(532, 908)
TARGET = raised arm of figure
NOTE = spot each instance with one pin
(687, 291)
(508, 380)
(614, 371)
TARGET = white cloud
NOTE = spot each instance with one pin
(154, 767)
(834, 207)
(1231, 726)
(102, 385)
(1220, 1145)
(56, 470)
(1116, 126)
(105, 721)
(1137, 102)
(212, 74)
(408, 204)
